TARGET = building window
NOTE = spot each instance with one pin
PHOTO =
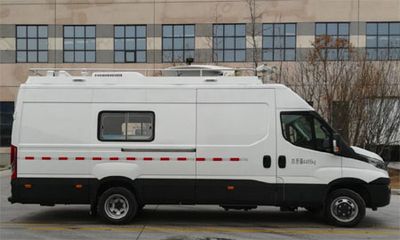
(126, 126)
(79, 44)
(279, 42)
(6, 120)
(334, 38)
(177, 42)
(229, 42)
(130, 43)
(32, 44)
(383, 41)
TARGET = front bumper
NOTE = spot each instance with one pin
(379, 192)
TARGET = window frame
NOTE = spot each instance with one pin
(284, 36)
(172, 37)
(84, 38)
(336, 36)
(124, 38)
(126, 140)
(313, 115)
(37, 50)
(377, 48)
(223, 36)
(8, 126)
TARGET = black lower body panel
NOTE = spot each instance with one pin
(187, 191)
(241, 192)
(51, 190)
(168, 191)
(165, 191)
(302, 195)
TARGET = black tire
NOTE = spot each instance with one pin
(117, 205)
(344, 208)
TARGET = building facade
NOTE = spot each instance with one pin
(159, 33)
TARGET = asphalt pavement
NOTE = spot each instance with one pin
(166, 222)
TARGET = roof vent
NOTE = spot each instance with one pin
(78, 80)
(210, 80)
(107, 74)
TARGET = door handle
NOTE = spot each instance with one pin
(267, 161)
(282, 161)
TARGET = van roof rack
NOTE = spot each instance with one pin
(175, 71)
(187, 75)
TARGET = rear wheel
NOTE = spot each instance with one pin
(117, 205)
(345, 208)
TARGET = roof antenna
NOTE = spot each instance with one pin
(189, 61)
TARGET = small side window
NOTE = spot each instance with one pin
(305, 130)
(126, 126)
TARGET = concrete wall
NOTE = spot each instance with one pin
(153, 13)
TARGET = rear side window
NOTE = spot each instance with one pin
(126, 126)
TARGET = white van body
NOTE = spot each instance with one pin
(205, 140)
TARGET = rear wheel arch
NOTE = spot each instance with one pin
(114, 181)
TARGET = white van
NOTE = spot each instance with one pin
(120, 140)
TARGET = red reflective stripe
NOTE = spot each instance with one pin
(235, 159)
(147, 158)
(62, 158)
(164, 158)
(182, 159)
(79, 158)
(114, 158)
(200, 159)
(96, 158)
(217, 159)
(29, 158)
(46, 158)
(130, 158)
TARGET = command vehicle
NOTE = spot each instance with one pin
(120, 140)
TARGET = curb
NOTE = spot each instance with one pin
(4, 168)
(395, 191)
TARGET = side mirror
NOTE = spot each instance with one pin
(335, 146)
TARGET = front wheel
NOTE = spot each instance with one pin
(117, 205)
(345, 208)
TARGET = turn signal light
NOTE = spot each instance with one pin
(27, 186)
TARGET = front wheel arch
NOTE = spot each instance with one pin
(357, 185)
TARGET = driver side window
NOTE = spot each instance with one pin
(305, 130)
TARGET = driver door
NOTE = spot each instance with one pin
(306, 163)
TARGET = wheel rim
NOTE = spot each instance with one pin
(116, 206)
(344, 209)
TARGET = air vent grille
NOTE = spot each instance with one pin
(108, 74)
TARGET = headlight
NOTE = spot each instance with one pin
(377, 163)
